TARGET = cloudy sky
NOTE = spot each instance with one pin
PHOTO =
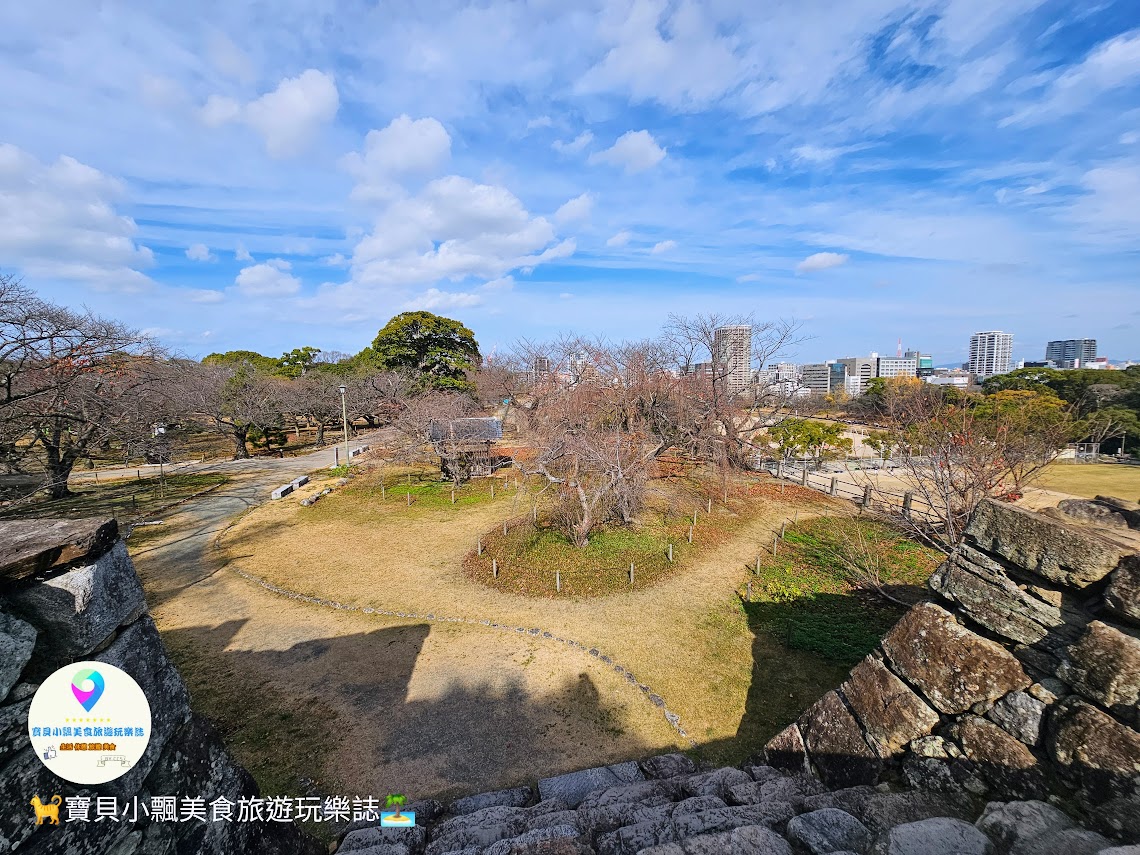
(271, 175)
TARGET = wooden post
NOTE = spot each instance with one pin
(409, 495)
(495, 568)
(694, 517)
(670, 553)
(749, 590)
(504, 527)
(534, 513)
(908, 497)
(690, 534)
(758, 563)
(803, 476)
(710, 504)
(479, 546)
(783, 526)
(867, 496)
(775, 540)
(138, 474)
(795, 517)
(726, 497)
(453, 497)
(834, 486)
(492, 490)
(557, 580)
(631, 573)
(383, 492)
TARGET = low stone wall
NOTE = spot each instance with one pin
(1021, 681)
(68, 592)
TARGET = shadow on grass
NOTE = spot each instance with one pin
(345, 713)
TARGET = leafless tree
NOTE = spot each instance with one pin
(234, 400)
(70, 382)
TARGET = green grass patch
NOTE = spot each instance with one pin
(127, 499)
(809, 598)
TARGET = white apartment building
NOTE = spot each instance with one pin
(991, 353)
(732, 347)
(860, 370)
(897, 366)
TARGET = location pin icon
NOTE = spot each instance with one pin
(87, 686)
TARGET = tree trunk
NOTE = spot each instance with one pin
(238, 436)
(59, 470)
(320, 433)
(581, 529)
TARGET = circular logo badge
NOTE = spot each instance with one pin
(89, 723)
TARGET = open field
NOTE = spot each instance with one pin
(430, 705)
(127, 499)
(1093, 479)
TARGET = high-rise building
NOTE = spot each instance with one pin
(732, 350)
(990, 353)
(816, 377)
(1071, 353)
(860, 370)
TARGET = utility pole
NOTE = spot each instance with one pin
(344, 419)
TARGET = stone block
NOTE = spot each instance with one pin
(829, 830)
(938, 836)
(29, 547)
(715, 783)
(1067, 555)
(282, 491)
(1129, 510)
(1009, 823)
(836, 745)
(644, 793)
(1005, 763)
(516, 797)
(725, 819)
(890, 713)
(632, 839)
(990, 598)
(77, 611)
(667, 766)
(934, 763)
(1094, 752)
(1104, 666)
(478, 829)
(786, 751)
(1122, 597)
(17, 641)
(1019, 714)
(1092, 512)
(880, 811)
(1068, 841)
(952, 667)
(573, 787)
(300, 482)
(540, 841)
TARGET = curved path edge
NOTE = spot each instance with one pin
(535, 632)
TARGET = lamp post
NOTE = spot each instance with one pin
(344, 417)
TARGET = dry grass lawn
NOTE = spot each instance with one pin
(687, 637)
(1093, 479)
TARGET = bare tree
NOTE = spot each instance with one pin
(234, 399)
(70, 382)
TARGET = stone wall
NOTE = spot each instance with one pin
(68, 592)
(1020, 681)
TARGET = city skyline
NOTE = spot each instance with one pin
(226, 179)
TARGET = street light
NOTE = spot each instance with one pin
(344, 417)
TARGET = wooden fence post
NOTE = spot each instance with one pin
(409, 495)
(690, 534)
(453, 497)
(749, 597)
(495, 568)
(710, 504)
(504, 527)
(670, 553)
(479, 546)
(834, 486)
(557, 580)
(775, 540)
(694, 517)
(631, 573)
(803, 476)
(908, 497)
(867, 496)
(783, 527)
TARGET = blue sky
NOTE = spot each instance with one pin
(267, 176)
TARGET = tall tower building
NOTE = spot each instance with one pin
(1071, 353)
(732, 352)
(990, 353)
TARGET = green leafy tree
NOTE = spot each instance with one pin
(438, 352)
(397, 801)
(297, 361)
(242, 357)
(809, 438)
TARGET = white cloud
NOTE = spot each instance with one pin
(453, 229)
(1110, 65)
(540, 122)
(200, 252)
(678, 59)
(269, 279)
(634, 150)
(620, 239)
(575, 145)
(405, 148)
(335, 260)
(433, 298)
(204, 295)
(241, 253)
(229, 59)
(287, 118)
(1109, 213)
(663, 246)
(821, 261)
(749, 277)
(503, 283)
(824, 154)
(59, 220)
(575, 210)
(1130, 138)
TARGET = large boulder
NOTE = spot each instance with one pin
(890, 713)
(1104, 666)
(1122, 597)
(1019, 714)
(829, 830)
(1009, 823)
(1094, 752)
(1067, 555)
(939, 836)
(1007, 765)
(880, 811)
(748, 840)
(1068, 841)
(952, 667)
(836, 745)
(1092, 512)
(573, 787)
(990, 598)
(478, 829)
(667, 766)
(514, 797)
(77, 611)
(786, 751)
